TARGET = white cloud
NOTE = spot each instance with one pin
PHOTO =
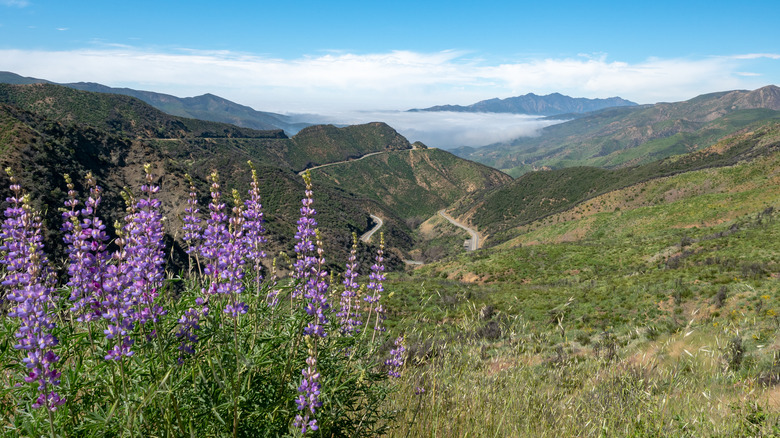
(444, 130)
(394, 80)
(757, 56)
(15, 3)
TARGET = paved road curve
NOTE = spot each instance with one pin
(339, 162)
(474, 241)
(367, 236)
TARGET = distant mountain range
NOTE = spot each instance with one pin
(206, 107)
(627, 136)
(549, 105)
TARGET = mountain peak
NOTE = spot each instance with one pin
(549, 105)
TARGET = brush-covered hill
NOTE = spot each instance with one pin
(536, 195)
(130, 117)
(625, 136)
(117, 113)
(413, 183)
(40, 149)
(206, 107)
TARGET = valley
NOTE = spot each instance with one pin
(616, 275)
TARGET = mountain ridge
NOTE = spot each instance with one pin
(532, 104)
(207, 107)
(609, 137)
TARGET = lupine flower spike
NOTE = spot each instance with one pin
(396, 360)
(145, 252)
(86, 241)
(349, 314)
(253, 227)
(375, 287)
(30, 281)
(222, 251)
(313, 287)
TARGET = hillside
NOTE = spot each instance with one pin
(128, 116)
(40, 150)
(413, 183)
(116, 113)
(551, 104)
(536, 195)
(632, 135)
(206, 107)
(635, 312)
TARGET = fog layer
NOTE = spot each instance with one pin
(445, 130)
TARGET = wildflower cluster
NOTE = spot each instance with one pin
(120, 294)
(30, 285)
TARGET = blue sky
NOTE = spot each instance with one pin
(315, 56)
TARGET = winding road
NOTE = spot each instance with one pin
(474, 241)
(367, 236)
(340, 162)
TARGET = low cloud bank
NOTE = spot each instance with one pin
(445, 130)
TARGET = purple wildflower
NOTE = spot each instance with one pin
(396, 360)
(86, 239)
(309, 266)
(349, 314)
(375, 287)
(118, 304)
(31, 285)
(313, 287)
(223, 252)
(309, 398)
(189, 323)
(145, 253)
(253, 226)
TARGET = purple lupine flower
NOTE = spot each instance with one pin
(396, 360)
(305, 263)
(313, 287)
(193, 230)
(189, 323)
(309, 398)
(215, 236)
(145, 253)
(375, 287)
(309, 266)
(118, 305)
(223, 252)
(349, 314)
(253, 226)
(31, 285)
(86, 239)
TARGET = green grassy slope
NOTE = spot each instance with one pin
(624, 136)
(538, 194)
(647, 311)
(413, 183)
